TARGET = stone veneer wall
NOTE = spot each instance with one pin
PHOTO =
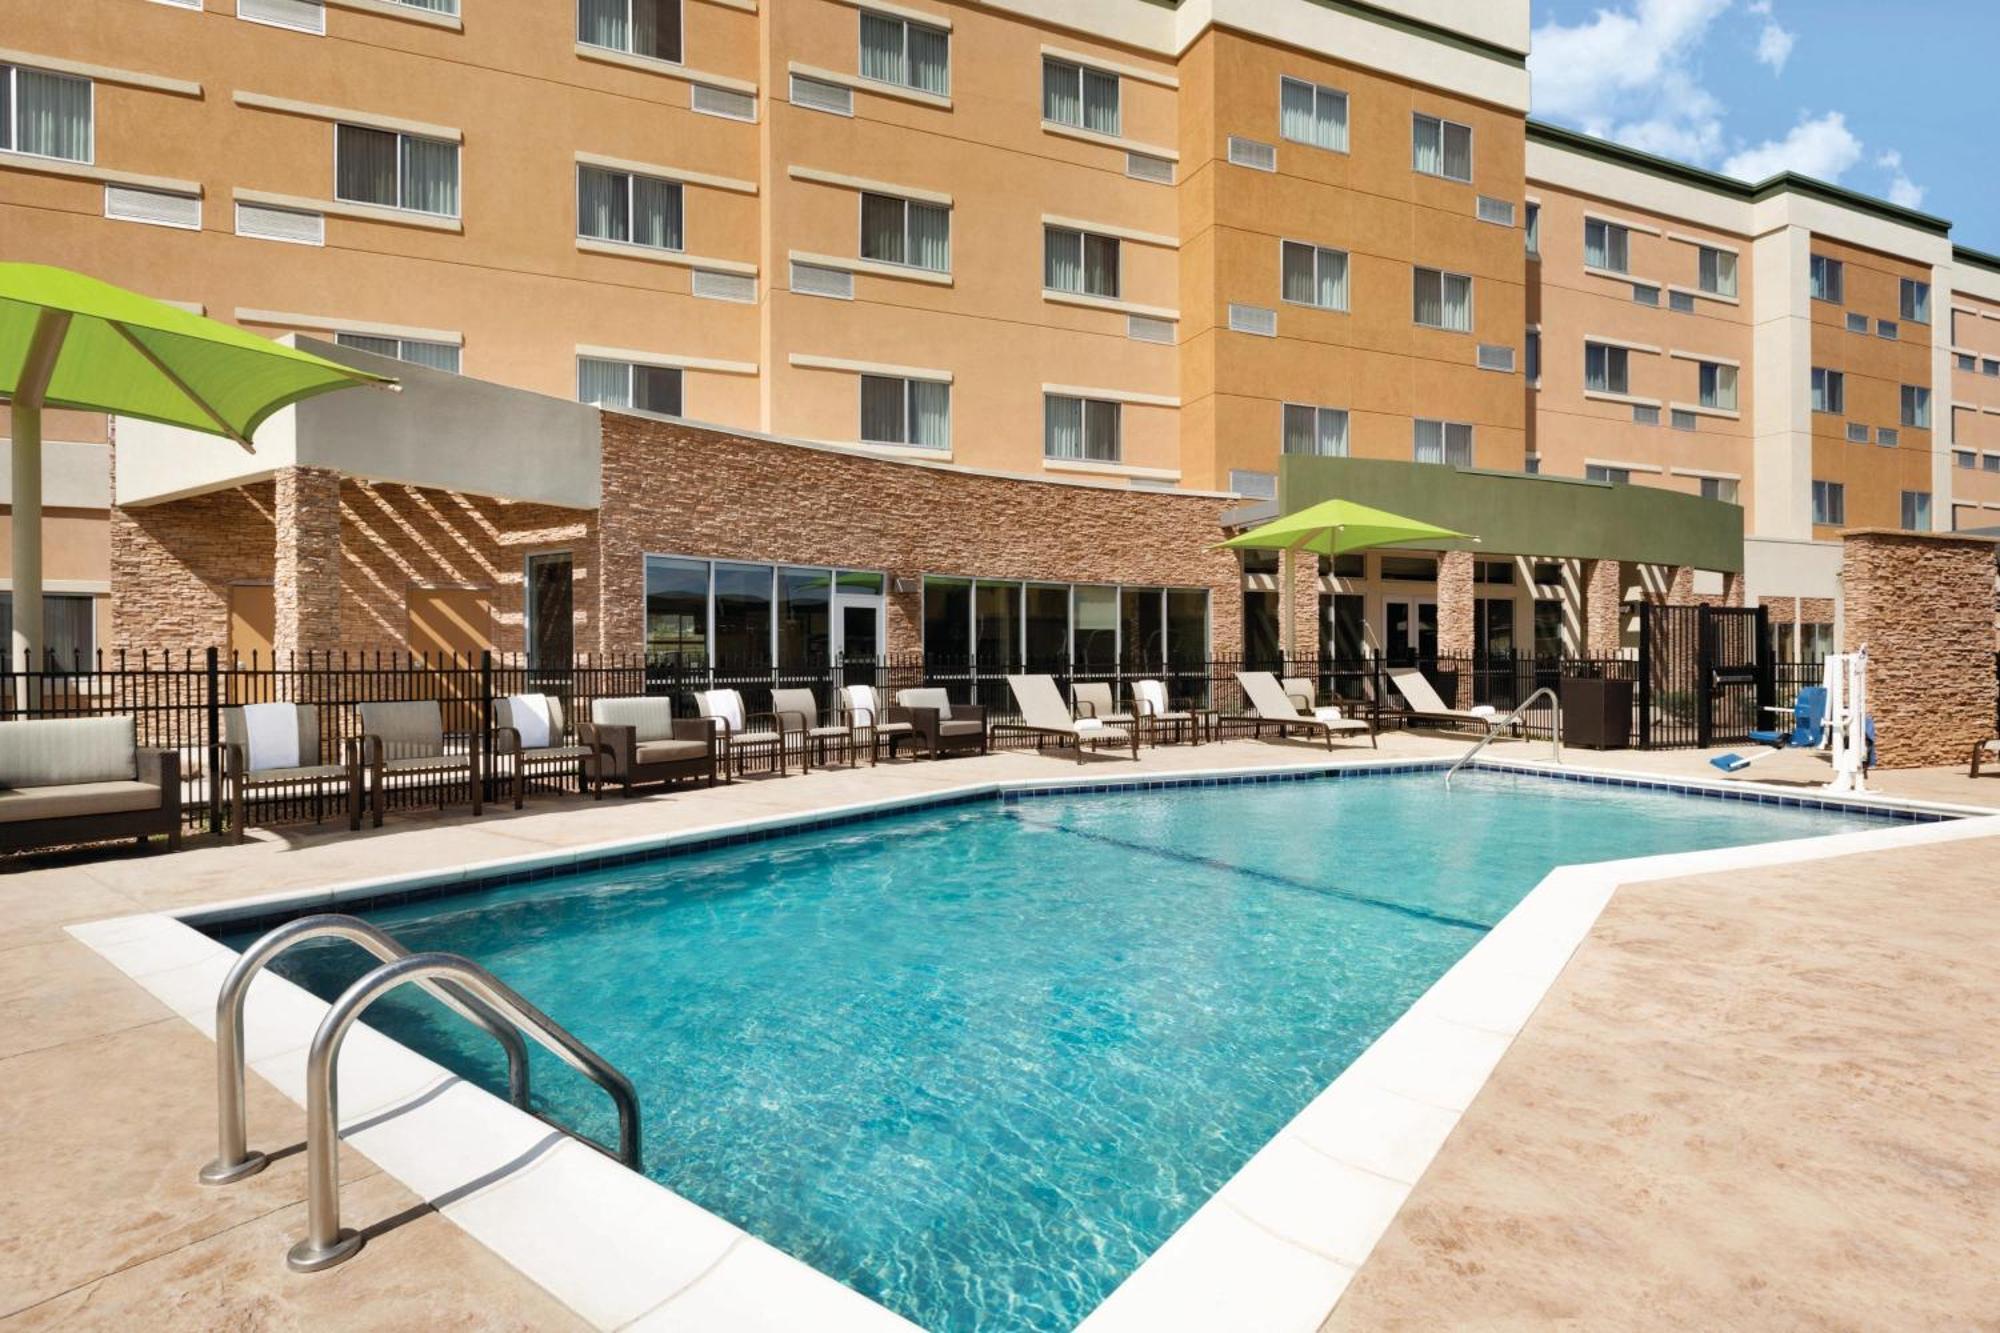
(1922, 603)
(678, 489)
(1603, 608)
(305, 572)
(172, 564)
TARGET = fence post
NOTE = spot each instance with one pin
(485, 723)
(1645, 691)
(1767, 667)
(214, 753)
(1704, 676)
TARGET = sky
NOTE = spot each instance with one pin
(1888, 97)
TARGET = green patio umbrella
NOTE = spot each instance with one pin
(1335, 527)
(71, 341)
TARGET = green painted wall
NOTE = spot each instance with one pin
(1516, 514)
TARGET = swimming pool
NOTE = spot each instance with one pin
(978, 1061)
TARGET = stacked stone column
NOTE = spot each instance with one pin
(306, 569)
(1456, 635)
(1603, 608)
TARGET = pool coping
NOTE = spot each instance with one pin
(1275, 1246)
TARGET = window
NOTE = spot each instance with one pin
(1606, 369)
(1535, 230)
(1989, 462)
(1645, 293)
(1681, 301)
(1829, 502)
(69, 629)
(1857, 323)
(1606, 245)
(637, 27)
(416, 351)
(1917, 511)
(1080, 428)
(1315, 275)
(1717, 271)
(434, 6)
(1989, 367)
(1888, 437)
(1447, 442)
(1079, 261)
(1074, 95)
(619, 206)
(395, 170)
(1645, 414)
(1829, 391)
(1724, 489)
(1966, 459)
(1315, 430)
(898, 231)
(1886, 328)
(1443, 300)
(914, 55)
(1718, 386)
(1311, 114)
(1966, 362)
(622, 384)
(1916, 301)
(1548, 627)
(1441, 148)
(47, 115)
(906, 411)
(1534, 356)
(1497, 211)
(1616, 476)
(1857, 433)
(1680, 420)
(1827, 279)
(1410, 568)
(1916, 406)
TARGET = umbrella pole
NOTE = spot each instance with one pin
(25, 431)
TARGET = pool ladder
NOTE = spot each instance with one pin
(463, 986)
(1508, 721)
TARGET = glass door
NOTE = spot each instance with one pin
(1409, 631)
(857, 628)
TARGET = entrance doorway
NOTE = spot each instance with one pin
(551, 608)
(1409, 631)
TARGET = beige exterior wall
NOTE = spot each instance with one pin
(1975, 411)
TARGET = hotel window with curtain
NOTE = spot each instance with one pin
(416, 351)
(395, 170)
(1829, 391)
(1829, 502)
(1311, 114)
(912, 55)
(1724, 489)
(1444, 442)
(623, 384)
(1080, 429)
(46, 115)
(1718, 386)
(1826, 279)
(1916, 304)
(911, 412)
(1916, 407)
(1315, 430)
(1717, 272)
(1441, 148)
(69, 630)
(1443, 300)
(1917, 511)
(1077, 95)
(1533, 230)
(1314, 275)
(637, 27)
(901, 231)
(1079, 261)
(1606, 245)
(621, 206)
(1607, 369)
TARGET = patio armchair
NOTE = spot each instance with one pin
(274, 749)
(1981, 749)
(84, 779)
(1093, 699)
(404, 739)
(638, 739)
(1044, 716)
(941, 726)
(822, 730)
(532, 731)
(740, 733)
(881, 724)
(1271, 706)
(1157, 712)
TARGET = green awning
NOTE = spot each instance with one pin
(1336, 527)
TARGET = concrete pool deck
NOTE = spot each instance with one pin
(107, 1098)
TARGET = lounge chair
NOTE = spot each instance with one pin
(1421, 703)
(941, 726)
(1093, 699)
(1156, 712)
(1304, 692)
(1980, 749)
(818, 732)
(1271, 706)
(1044, 715)
(275, 748)
(741, 733)
(405, 739)
(532, 731)
(872, 722)
(1808, 728)
(638, 739)
(66, 780)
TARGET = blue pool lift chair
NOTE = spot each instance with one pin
(1808, 728)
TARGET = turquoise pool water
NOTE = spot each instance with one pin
(980, 1061)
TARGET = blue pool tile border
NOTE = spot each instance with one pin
(691, 844)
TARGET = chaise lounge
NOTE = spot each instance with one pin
(1421, 703)
(1044, 716)
(1271, 706)
(84, 779)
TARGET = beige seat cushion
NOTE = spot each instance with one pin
(427, 762)
(58, 751)
(962, 727)
(558, 752)
(668, 752)
(926, 698)
(651, 716)
(891, 728)
(307, 773)
(65, 800)
(409, 728)
(755, 738)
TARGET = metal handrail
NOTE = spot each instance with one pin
(1509, 720)
(233, 1158)
(326, 1243)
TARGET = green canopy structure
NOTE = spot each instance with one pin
(71, 341)
(1336, 527)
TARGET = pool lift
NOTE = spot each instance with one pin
(1831, 717)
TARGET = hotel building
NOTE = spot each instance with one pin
(1117, 258)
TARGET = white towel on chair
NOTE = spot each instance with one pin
(1089, 724)
(271, 733)
(531, 719)
(727, 705)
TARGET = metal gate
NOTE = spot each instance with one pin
(1705, 675)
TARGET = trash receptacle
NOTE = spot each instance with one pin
(1597, 713)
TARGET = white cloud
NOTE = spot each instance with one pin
(1820, 146)
(1627, 74)
(1902, 190)
(1774, 41)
